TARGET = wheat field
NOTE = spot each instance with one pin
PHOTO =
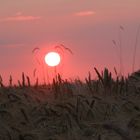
(101, 109)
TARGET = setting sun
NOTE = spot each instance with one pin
(52, 59)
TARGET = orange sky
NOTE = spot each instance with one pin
(86, 27)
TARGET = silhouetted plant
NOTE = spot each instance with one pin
(36, 83)
(89, 83)
(19, 84)
(1, 82)
(23, 79)
(10, 81)
(106, 79)
(135, 48)
(28, 81)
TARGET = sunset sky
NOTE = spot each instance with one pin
(87, 27)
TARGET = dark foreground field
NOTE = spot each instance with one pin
(102, 109)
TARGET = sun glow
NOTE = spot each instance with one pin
(52, 59)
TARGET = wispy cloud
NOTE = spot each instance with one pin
(11, 45)
(85, 13)
(20, 17)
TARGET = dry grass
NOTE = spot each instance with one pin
(102, 109)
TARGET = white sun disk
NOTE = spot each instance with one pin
(52, 59)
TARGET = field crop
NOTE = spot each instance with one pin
(102, 109)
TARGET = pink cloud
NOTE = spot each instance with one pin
(85, 13)
(12, 45)
(20, 17)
